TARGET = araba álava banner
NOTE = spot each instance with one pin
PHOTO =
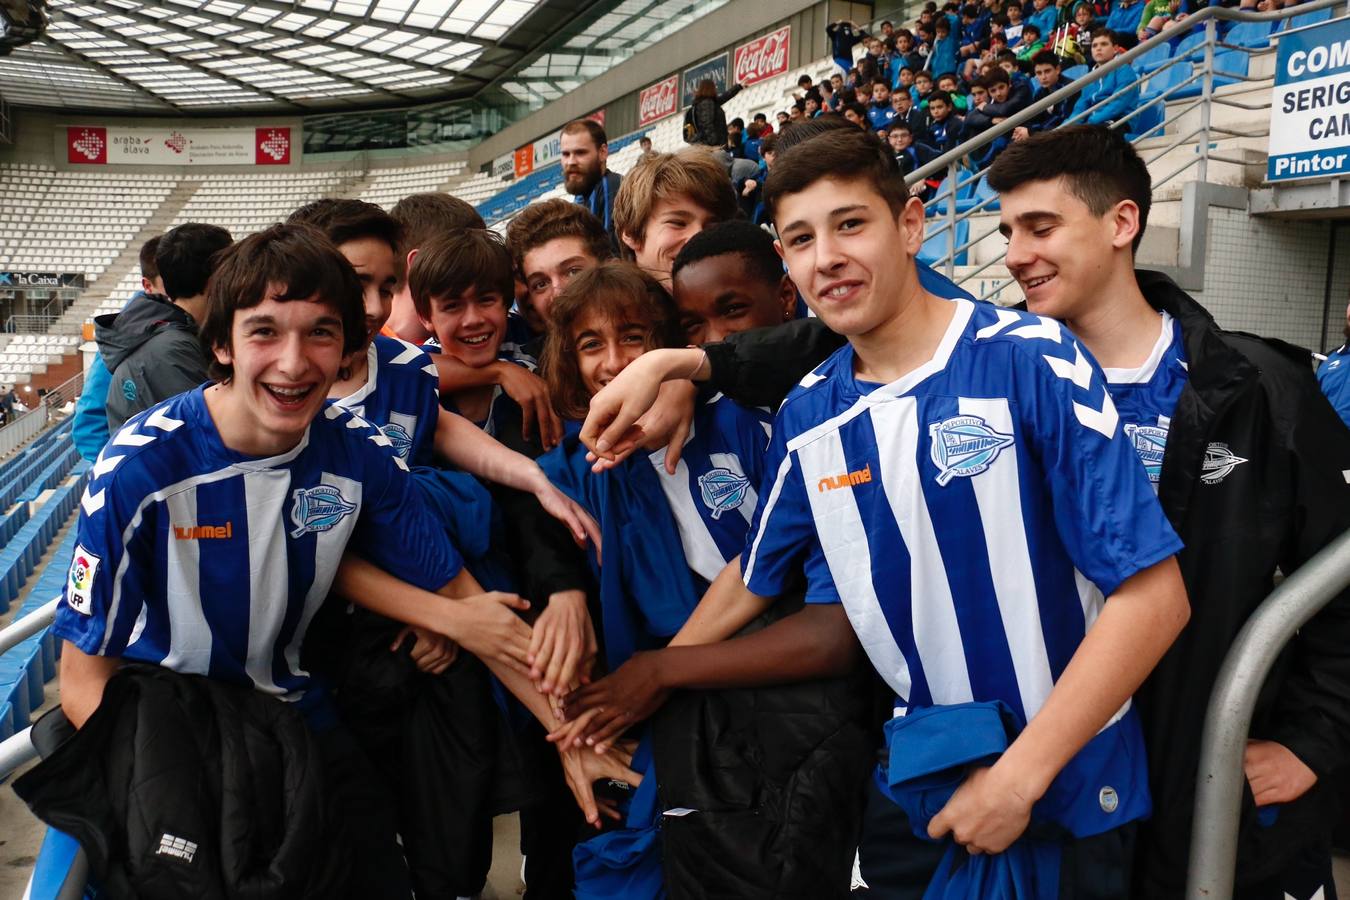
(113, 146)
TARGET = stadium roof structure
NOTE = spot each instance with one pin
(220, 57)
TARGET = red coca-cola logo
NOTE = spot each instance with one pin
(658, 101)
(763, 57)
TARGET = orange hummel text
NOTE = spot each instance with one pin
(204, 532)
(848, 479)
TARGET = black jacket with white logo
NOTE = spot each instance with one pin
(181, 786)
(1253, 479)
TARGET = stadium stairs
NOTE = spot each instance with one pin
(1191, 141)
(40, 488)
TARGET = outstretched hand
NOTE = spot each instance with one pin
(570, 513)
(487, 626)
(583, 769)
(618, 420)
(531, 395)
(563, 647)
(431, 652)
(598, 713)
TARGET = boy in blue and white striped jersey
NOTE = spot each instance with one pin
(957, 478)
(216, 522)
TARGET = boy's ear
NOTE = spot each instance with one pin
(630, 243)
(1125, 219)
(911, 222)
(223, 355)
(412, 254)
(787, 294)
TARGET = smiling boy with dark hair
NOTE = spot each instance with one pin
(1248, 460)
(216, 522)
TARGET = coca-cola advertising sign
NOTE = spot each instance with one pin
(763, 57)
(658, 101)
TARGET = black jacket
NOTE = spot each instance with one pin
(705, 122)
(775, 776)
(151, 349)
(1053, 117)
(1257, 399)
(180, 786)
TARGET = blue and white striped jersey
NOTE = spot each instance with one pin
(206, 561)
(400, 397)
(970, 516)
(712, 493)
(1147, 396)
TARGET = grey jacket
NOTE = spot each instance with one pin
(151, 349)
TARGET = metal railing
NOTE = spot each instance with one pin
(1218, 797)
(31, 423)
(23, 429)
(30, 324)
(958, 173)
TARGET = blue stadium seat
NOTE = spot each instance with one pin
(1251, 34)
(57, 865)
(1149, 123)
(1306, 19)
(935, 248)
(1165, 79)
(1073, 73)
(1152, 59)
(965, 195)
(984, 192)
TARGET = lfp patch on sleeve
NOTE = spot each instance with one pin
(80, 583)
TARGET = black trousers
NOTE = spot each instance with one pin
(897, 865)
(378, 869)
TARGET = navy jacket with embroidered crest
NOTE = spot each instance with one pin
(400, 397)
(206, 561)
(665, 536)
(970, 517)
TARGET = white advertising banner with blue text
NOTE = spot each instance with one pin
(1310, 104)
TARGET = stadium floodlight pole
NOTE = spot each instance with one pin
(1218, 795)
(940, 163)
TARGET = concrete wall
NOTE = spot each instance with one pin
(1268, 276)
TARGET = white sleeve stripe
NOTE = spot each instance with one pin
(774, 493)
(115, 602)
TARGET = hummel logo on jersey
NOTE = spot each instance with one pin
(178, 848)
(723, 490)
(848, 479)
(204, 532)
(1218, 463)
(399, 438)
(318, 509)
(964, 446)
(1149, 441)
